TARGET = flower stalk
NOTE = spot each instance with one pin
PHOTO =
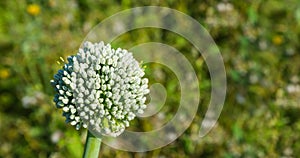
(92, 146)
(101, 88)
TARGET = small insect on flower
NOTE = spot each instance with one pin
(33, 9)
(101, 88)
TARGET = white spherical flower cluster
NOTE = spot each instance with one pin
(101, 88)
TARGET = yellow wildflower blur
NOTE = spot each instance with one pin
(33, 9)
(4, 73)
(277, 40)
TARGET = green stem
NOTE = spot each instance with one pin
(92, 146)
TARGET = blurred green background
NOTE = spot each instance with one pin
(258, 39)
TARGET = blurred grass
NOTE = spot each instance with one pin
(259, 41)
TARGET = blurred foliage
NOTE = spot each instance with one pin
(259, 41)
